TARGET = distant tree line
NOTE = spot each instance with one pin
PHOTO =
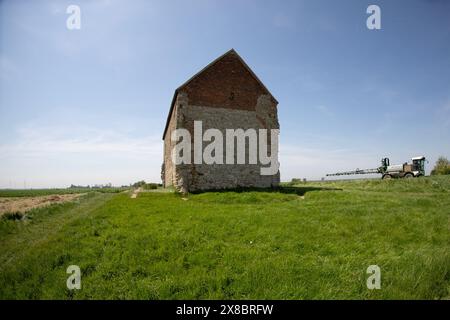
(146, 186)
(295, 181)
(441, 167)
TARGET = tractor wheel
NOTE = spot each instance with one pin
(409, 175)
(387, 177)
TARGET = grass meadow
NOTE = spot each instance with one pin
(309, 241)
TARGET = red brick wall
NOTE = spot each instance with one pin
(227, 83)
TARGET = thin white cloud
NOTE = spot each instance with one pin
(282, 20)
(315, 163)
(444, 114)
(101, 21)
(59, 156)
(8, 68)
(324, 110)
(41, 142)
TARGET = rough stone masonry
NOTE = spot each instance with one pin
(226, 94)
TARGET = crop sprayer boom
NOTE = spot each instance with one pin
(411, 170)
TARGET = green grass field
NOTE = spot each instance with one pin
(237, 245)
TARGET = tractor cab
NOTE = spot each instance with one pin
(418, 164)
(384, 164)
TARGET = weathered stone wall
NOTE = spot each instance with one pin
(168, 173)
(167, 170)
(194, 177)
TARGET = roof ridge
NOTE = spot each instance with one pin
(207, 67)
(232, 50)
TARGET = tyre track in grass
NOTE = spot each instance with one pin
(17, 244)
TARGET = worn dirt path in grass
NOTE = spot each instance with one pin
(18, 244)
(24, 204)
(135, 193)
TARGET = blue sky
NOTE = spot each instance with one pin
(89, 106)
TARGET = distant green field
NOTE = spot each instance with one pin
(46, 192)
(237, 245)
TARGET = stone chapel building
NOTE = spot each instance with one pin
(226, 94)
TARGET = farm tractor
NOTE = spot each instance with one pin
(406, 170)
